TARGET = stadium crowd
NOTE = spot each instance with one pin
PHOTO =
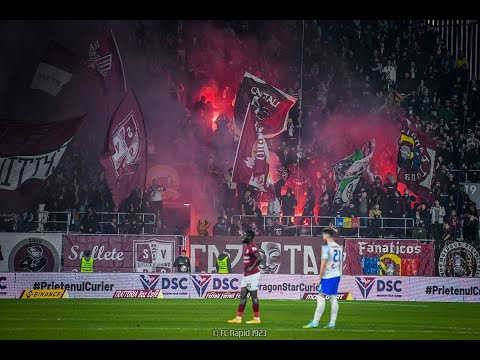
(397, 68)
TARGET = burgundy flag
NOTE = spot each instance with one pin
(261, 110)
(31, 151)
(125, 154)
(416, 159)
(105, 59)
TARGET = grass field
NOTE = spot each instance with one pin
(207, 319)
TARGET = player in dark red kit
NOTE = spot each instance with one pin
(251, 275)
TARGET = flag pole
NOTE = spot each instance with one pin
(240, 138)
(300, 98)
(146, 149)
(121, 62)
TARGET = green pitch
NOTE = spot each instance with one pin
(207, 319)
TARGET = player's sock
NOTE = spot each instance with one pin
(241, 307)
(256, 310)
(319, 309)
(334, 310)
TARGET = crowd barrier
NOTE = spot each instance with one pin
(64, 221)
(351, 227)
(215, 286)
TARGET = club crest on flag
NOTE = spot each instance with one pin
(101, 63)
(153, 255)
(127, 143)
(125, 151)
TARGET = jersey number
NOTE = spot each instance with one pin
(336, 253)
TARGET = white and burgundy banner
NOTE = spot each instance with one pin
(30, 252)
(261, 112)
(125, 154)
(120, 253)
(31, 151)
(281, 254)
(15, 170)
(389, 257)
(216, 286)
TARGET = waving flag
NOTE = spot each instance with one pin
(348, 172)
(105, 59)
(30, 152)
(415, 160)
(262, 111)
(125, 154)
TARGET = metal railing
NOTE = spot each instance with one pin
(312, 225)
(64, 222)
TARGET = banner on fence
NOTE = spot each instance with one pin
(120, 253)
(457, 259)
(281, 255)
(30, 252)
(389, 257)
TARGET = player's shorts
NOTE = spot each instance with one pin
(251, 281)
(329, 286)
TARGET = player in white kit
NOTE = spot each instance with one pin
(330, 272)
